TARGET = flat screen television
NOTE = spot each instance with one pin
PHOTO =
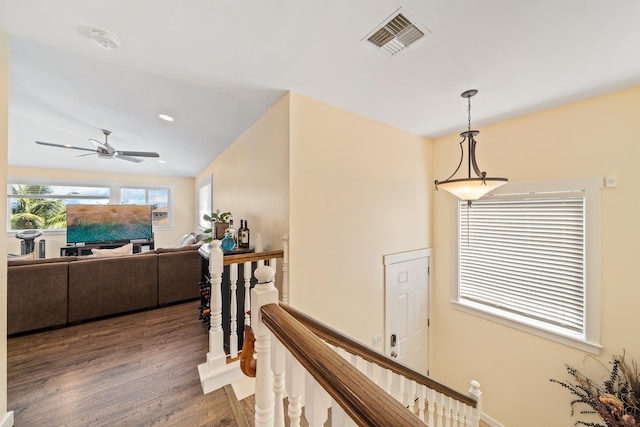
(108, 223)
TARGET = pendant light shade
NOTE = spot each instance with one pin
(470, 188)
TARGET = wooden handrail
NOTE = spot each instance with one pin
(255, 256)
(336, 338)
(360, 397)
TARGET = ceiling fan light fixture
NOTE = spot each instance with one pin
(166, 117)
(470, 188)
(105, 39)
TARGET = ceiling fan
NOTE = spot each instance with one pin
(104, 150)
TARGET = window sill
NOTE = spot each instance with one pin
(530, 326)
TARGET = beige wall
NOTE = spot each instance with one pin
(182, 194)
(596, 137)
(359, 190)
(251, 177)
(4, 119)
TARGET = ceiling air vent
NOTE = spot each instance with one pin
(395, 33)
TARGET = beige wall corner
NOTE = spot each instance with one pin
(251, 177)
(360, 190)
(584, 139)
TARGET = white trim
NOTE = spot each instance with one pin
(7, 420)
(406, 256)
(591, 340)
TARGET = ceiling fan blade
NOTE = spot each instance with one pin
(129, 159)
(137, 153)
(96, 142)
(65, 146)
(85, 155)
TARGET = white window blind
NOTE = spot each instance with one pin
(525, 255)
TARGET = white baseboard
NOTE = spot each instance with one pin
(487, 419)
(7, 420)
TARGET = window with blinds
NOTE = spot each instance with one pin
(524, 256)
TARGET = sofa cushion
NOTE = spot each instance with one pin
(121, 251)
(65, 259)
(180, 249)
(36, 296)
(179, 272)
(27, 257)
(105, 286)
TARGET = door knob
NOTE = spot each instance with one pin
(394, 354)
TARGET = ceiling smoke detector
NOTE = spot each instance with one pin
(396, 33)
(105, 39)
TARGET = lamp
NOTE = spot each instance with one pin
(470, 188)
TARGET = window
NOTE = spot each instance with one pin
(523, 258)
(44, 206)
(157, 197)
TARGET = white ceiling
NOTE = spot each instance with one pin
(216, 66)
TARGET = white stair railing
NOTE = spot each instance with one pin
(318, 388)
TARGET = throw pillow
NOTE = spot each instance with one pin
(121, 251)
(190, 240)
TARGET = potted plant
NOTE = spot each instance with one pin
(219, 223)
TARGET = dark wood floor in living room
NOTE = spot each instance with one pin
(134, 370)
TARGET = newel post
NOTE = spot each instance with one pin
(213, 370)
(216, 267)
(475, 393)
(262, 294)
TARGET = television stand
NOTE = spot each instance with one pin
(85, 249)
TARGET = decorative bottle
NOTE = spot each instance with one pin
(244, 235)
(230, 239)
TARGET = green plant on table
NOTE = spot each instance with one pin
(216, 217)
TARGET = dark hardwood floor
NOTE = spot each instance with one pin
(134, 370)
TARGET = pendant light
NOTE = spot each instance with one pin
(470, 188)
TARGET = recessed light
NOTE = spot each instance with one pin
(165, 117)
(162, 161)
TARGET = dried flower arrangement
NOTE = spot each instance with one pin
(616, 401)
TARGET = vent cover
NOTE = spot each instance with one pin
(395, 33)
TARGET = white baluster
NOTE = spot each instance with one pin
(369, 372)
(247, 292)
(278, 368)
(422, 392)
(447, 401)
(396, 387)
(285, 269)
(412, 394)
(431, 399)
(440, 409)
(456, 407)
(262, 294)
(316, 402)
(294, 379)
(475, 392)
(338, 417)
(385, 384)
(233, 310)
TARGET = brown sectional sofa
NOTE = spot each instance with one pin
(60, 291)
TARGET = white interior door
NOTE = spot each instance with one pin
(407, 308)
